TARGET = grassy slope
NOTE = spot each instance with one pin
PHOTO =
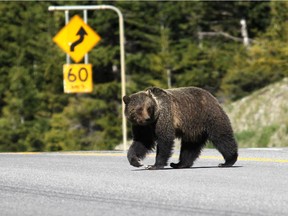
(261, 119)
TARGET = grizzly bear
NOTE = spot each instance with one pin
(158, 116)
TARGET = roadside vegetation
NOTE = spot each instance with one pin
(167, 43)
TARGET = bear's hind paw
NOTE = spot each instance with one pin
(225, 165)
(179, 166)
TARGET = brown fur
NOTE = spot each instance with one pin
(191, 114)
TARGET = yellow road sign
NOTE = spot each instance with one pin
(77, 78)
(76, 38)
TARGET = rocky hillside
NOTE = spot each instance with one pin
(261, 119)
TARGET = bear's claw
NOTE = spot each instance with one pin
(153, 167)
(136, 162)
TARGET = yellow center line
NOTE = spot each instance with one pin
(20, 153)
(255, 159)
(94, 154)
(107, 154)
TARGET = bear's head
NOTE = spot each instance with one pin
(141, 108)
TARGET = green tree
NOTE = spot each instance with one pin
(28, 74)
(88, 122)
(36, 115)
(264, 62)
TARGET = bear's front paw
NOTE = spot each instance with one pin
(153, 167)
(136, 162)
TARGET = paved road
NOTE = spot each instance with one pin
(105, 184)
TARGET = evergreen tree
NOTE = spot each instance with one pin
(264, 61)
(162, 41)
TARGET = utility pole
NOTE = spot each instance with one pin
(169, 78)
(244, 32)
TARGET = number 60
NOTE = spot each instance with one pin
(82, 75)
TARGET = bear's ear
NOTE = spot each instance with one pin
(126, 99)
(155, 91)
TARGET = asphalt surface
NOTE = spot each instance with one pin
(103, 183)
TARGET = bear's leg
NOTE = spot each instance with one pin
(189, 152)
(136, 153)
(227, 146)
(163, 153)
(143, 142)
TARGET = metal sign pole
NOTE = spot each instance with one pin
(66, 22)
(122, 52)
(86, 21)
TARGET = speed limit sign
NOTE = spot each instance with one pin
(77, 78)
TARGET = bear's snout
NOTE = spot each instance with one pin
(144, 121)
(143, 117)
(147, 119)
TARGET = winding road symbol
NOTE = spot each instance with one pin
(76, 38)
(82, 34)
